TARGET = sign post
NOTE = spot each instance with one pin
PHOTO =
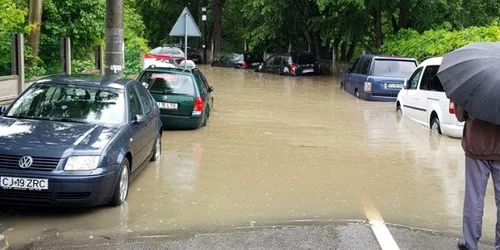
(185, 27)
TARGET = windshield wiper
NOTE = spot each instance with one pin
(69, 120)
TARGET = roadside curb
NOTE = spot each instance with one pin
(3, 242)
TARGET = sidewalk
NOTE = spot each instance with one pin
(348, 235)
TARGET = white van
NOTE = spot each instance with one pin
(423, 100)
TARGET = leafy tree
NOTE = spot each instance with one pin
(12, 20)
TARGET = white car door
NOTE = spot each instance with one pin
(409, 104)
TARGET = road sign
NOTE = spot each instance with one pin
(185, 25)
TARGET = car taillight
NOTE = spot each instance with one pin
(293, 68)
(199, 104)
(452, 107)
(368, 87)
(244, 65)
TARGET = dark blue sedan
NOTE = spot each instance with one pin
(77, 140)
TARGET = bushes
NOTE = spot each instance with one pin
(431, 43)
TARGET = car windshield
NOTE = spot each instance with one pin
(169, 83)
(70, 103)
(394, 68)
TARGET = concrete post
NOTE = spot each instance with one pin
(66, 55)
(334, 68)
(17, 43)
(114, 39)
(99, 59)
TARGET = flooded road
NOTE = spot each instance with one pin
(279, 149)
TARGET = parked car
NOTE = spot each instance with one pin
(183, 95)
(247, 60)
(377, 78)
(76, 141)
(291, 64)
(175, 53)
(423, 100)
(193, 54)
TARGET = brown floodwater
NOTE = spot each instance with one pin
(279, 149)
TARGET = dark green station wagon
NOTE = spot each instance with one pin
(183, 96)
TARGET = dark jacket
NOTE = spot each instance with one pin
(481, 139)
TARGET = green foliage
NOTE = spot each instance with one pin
(437, 42)
(80, 66)
(12, 20)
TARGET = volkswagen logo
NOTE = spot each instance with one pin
(25, 162)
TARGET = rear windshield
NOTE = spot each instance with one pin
(304, 59)
(394, 68)
(169, 83)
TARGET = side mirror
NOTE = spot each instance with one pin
(210, 89)
(2, 110)
(405, 84)
(137, 119)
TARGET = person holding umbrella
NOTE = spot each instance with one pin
(471, 78)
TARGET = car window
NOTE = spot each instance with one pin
(277, 61)
(363, 66)
(430, 75)
(305, 59)
(169, 83)
(156, 51)
(70, 102)
(165, 51)
(253, 57)
(225, 57)
(134, 104)
(270, 60)
(393, 68)
(413, 81)
(145, 99)
(176, 51)
(355, 64)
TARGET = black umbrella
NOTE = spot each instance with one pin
(471, 78)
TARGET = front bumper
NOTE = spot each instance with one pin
(181, 122)
(64, 190)
(379, 98)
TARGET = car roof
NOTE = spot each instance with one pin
(176, 70)
(432, 61)
(88, 80)
(388, 57)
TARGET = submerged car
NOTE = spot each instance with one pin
(291, 64)
(247, 60)
(182, 94)
(77, 141)
(377, 78)
(176, 54)
(423, 100)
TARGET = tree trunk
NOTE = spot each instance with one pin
(217, 26)
(35, 19)
(377, 23)
(350, 52)
(403, 17)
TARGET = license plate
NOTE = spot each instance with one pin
(168, 105)
(394, 86)
(255, 64)
(24, 183)
(308, 70)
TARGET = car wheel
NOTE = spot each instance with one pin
(399, 111)
(157, 150)
(121, 190)
(435, 127)
(356, 93)
(205, 118)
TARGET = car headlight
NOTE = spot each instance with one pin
(82, 163)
